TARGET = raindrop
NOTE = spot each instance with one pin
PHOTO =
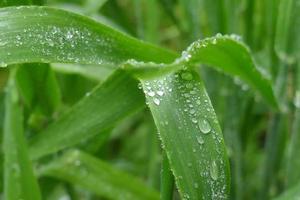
(156, 101)
(214, 173)
(194, 121)
(200, 140)
(2, 43)
(214, 41)
(192, 111)
(3, 64)
(151, 94)
(189, 85)
(187, 76)
(160, 93)
(204, 126)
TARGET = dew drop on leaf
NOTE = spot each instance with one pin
(204, 126)
(214, 173)
(187, 76)
(160, 93)
(200, 140)
(151, 94)
(156, 101)
(2, 64)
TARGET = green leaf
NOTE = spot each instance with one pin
(73, 41)
(190, 134)
(40, 34)
(227, 54)
(38, 87)
(98, 177)
(293, 163)
(92, 72)
(106, 105)
(47, 35)
(20, 182)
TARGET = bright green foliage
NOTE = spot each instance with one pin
(82, 78)
(19, 182)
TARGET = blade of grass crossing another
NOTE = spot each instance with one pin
(107, 104)
(19, 180)
(41, 34)
(190, 135)
(48, 35)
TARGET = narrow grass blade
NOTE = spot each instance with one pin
(48, 35)
(227, 54)
(167, 180)
(293, 163)
(92, 72)
(19, 180)
(38, 87)
(107, 104)
(73, 41)
(98, 177)
(190, 134)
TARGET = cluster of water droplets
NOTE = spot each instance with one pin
(195, 47)
(49, 43)
(73, 158)
(194, 105)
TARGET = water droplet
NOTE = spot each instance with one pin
(3, 64)
(204, 126)
(140, 86)
(156, 101)
(214, 172)
(200, 140)
(160, 93)
(214, 41)
(192, 111)
(151, 94)
(187, 76)
(189, 85)
(219, 35)
(2, 43)
(194, 121)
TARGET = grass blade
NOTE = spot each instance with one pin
(233, 58)
(98, 177)
(167, 180)
(48, 35)
(38, 87)
(110, 102)
(20, 182)
(190, 135)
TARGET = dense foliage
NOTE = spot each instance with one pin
(150, 99)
